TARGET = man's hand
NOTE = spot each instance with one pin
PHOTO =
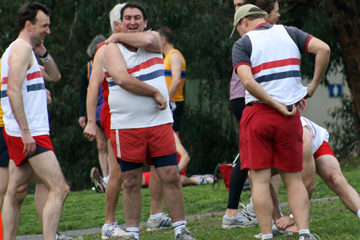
(284, 222)
(90, 131)
(82, 121)
(303, 104)
(112, 39)
(283, 109)
(40, 50)
(48, 96)
(310, 90)
(160, 100)
(29, 143)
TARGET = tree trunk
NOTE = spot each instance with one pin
(345, 14)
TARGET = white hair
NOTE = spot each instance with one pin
(114, 15)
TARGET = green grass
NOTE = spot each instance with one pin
(330, 219)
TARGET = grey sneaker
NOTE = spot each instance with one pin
(309, 237)
(184, 235)
(276, 232)
(60, 236)
(244, 218)
(114, 231)
(163, 222)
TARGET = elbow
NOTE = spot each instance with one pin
(57, 77)
(152, 43)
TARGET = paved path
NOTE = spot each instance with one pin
(143, 224)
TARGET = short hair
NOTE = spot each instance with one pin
(134, 5)
(166, 33)
(114, 15)
(94, 44)
(255, 16)
(29, 11)
(266, 5)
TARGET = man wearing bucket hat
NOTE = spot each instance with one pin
(267, 60)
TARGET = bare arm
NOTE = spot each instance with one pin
(149, 41)
(175, 63)
(246, 77)
(115, 65)
(49, 70)
(185, 159)
(96, 78)
(19, 60)
(322, 52)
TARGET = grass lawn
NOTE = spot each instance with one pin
(329, 219)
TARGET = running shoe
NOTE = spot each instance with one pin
(60, 236)
(184, 235)
(114, 231)
(96, 179)
(163, 222)
(244, 218)
(309, 237)
(276, 232)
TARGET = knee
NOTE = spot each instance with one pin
(19, 194)
(336, 180)
(101, 146)
(63, 190)
(131, 183)
(173, 178)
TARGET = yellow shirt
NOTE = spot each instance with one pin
(1, 111)
(178, 96)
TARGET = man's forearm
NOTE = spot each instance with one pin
(91, 102)
(150, 41)
(51, 69)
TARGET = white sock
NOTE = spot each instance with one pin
(358, 213)
(178, 226)
(156, 216)
(133, 230)
(304, 231)
(266, 236)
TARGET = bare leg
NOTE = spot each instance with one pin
(329, 170)
(184, 181)
(4, 178)
(261, 197)
(308, 172)
(113, 187)
(132, 196)
(172, 190)
(47, 169)
(18, 177)
(41, 195)
(102, 148)
(156, 192)
(297, 197)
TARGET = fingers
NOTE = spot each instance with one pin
(29, 148)
(162, 105)
(89, 133)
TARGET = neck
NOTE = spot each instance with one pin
(24, 36)
(167, 48)
(254, 23)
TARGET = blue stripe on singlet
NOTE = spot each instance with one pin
(277, 76)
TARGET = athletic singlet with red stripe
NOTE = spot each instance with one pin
(34, 98)
(129, 110)
(275, 64)
(319, 134)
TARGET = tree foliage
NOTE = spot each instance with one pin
(201, 29)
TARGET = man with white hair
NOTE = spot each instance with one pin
(110, 228)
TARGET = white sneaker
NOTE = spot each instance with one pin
(115, 231)
(60, 236)
(244, 218)
(163, 222)
(276, 232)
